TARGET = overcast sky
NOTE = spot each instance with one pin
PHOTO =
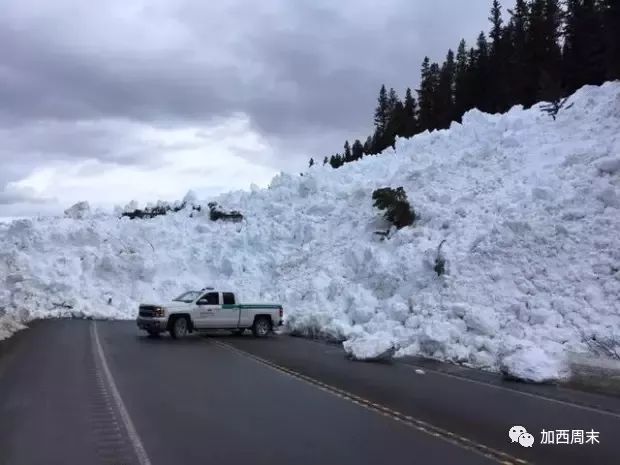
(146, 99)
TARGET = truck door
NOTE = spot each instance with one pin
(206, 308)
(230, 311)
(217, 316)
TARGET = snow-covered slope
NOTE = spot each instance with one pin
(529, 209)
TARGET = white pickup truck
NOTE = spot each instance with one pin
(208, 309)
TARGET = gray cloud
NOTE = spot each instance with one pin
(76, 77)
(13, 195)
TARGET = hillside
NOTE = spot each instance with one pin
(529, 209)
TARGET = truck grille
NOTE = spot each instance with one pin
(147, 310)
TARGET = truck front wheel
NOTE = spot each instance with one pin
(261, 327)
(180, 328)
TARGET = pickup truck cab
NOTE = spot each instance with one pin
(208, 309)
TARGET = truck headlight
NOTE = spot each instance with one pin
(159, 312)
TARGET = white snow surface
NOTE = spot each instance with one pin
(528, 207)
(79, 211)
(371, 347)
(535, 365)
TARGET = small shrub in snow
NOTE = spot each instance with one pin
(440, 266)
(383, 235)
(440, 261)
(554, 107)
(216, 213)
(396, 206)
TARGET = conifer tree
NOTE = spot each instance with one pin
(368, 146)
(462, 92)
(498, 61)
(357, 150)
(550, 83)
(392, 102)
(347, 152)
(496, 21)
(435, 98)
(381, 112)
(445, 92)
(481, 74)
(410, 123)
(518, 69)
(584, 53)
(311, 163)
(426, 96)
(395, 117)
(610, 12)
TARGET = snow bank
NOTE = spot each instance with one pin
(527, 206)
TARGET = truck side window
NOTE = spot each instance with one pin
(229, 298)
(211, 298)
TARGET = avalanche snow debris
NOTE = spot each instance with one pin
(534, 364)
(79, 211)
(610, 165)
(375, 347)
(534, 261)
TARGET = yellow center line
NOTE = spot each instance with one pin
(420, 425)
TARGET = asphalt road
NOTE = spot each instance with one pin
(80, 392)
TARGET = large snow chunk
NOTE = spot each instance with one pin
(610, 165)
(190, 198)
(609, 197)
(372, 347)
(434, 337)
(79, 211)
(482, 320)
(533, 364)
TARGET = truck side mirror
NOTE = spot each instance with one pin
(202, 302)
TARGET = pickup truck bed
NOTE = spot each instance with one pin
(249, 306)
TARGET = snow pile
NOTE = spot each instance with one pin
(79, 211)
(534, 364)
(527, 206)
(373, 347)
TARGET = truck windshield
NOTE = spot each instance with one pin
(187, 297)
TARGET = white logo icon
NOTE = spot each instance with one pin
(515, 432)
(526, 440)
(519, 434)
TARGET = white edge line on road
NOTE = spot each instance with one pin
(515, 391)
(131, 430)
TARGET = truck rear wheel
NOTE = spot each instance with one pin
(180, 328)
(261, 327)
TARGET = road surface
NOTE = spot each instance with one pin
(85, 392)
